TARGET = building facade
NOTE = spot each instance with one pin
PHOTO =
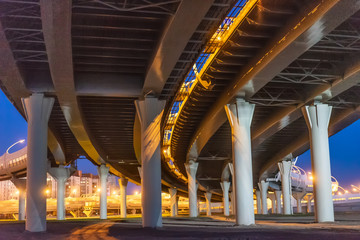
(79, 184)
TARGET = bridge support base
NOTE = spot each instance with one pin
(225, 186)
(37, 110)
(20, 185)
(258, 202)
(240, 116)
(191, 168)
(150, 112)
(208, 203)
(173, 200)
(308, 199)
(177, 205)
(233, 202)
(317, 119)
(285, 169)
(61, 174)
(103, 172)
(272, 197)
(299, 196)
(278, 201)
(263, 185)
(123, 185)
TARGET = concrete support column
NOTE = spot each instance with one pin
(22, 205)
(208, 203)
(20, 185)
(309, 198)
(37, 110)
(299, 196)
(150, 111)
(263, 185)
(61, 174)
(278, 201)
(273, 202)
(233, 205)
(177, 205)
(285, 169)
(173, 200)
(258, 202)
(191, 168)
(123, 185)
(240, 116)
(225, 185)
(103, 172)
(317, 119)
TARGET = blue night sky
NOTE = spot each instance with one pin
(344, 147)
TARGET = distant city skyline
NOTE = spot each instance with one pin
(345, 164)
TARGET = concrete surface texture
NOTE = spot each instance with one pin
(218, 227)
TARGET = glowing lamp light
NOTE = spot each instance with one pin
(20, 141)
(346, 191)
(339, 193)
(311, 177)
(47, 191)
(99, 190)
(354, 189)
(74, 191)
(17, 192)
(114, 192)
(136, 193)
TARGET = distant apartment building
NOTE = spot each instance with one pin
(79, 184)
(8, 190)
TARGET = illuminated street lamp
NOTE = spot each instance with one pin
(355, 188)
(345, 191)
(20, 141)
(7, 150)
(47, 191)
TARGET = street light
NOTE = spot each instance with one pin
(7, 151)
(47, 191)
(355, 188)
(20, 141)
(345, 191)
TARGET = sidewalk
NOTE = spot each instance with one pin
(347, 227)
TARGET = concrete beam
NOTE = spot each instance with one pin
(173, 41)
(296, 38)
(287, 115)
(14, 87)
(111, 85)
(56, 24)
(297, 145)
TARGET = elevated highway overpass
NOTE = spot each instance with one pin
(140, 87)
